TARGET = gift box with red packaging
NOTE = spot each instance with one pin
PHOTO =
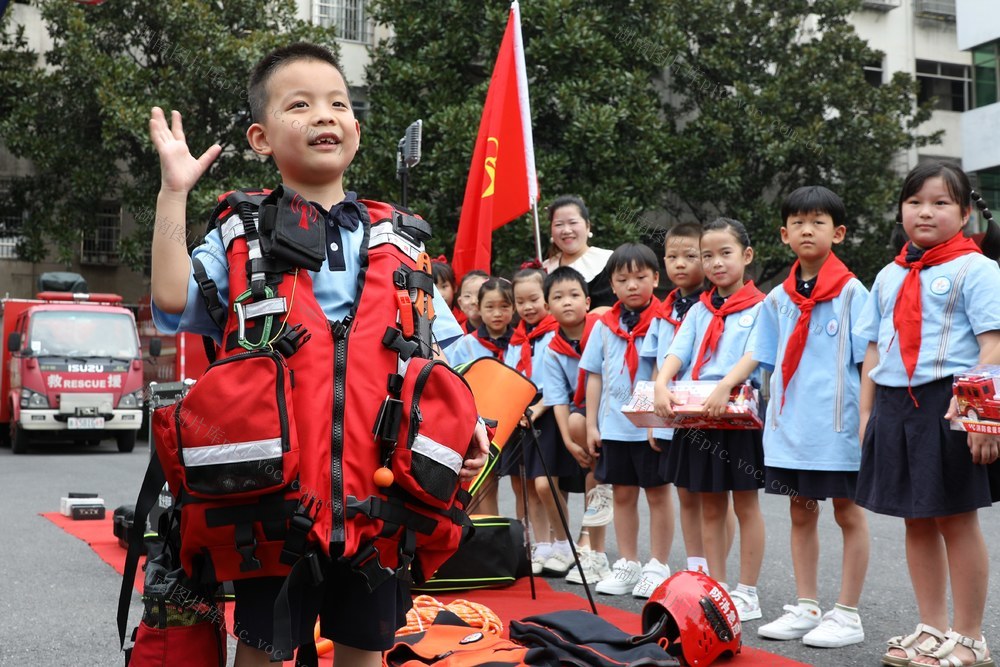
(741, 414)
(977, 393)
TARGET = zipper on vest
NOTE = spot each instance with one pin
(339, 331)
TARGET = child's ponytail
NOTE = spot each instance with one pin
(990, 244)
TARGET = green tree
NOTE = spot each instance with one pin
(699, 109)
(597, 123)
(773, 98)
(79, 112)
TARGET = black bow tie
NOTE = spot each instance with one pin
(346, 214)
(683, 303)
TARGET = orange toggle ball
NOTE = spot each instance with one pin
(383, 477)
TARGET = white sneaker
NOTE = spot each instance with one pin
(559, 562)
(793, 625)
(623, 578)
(539, 554)
(600, 507)
(654, 573)
(595, 567)
(747, 604)
(838, 629)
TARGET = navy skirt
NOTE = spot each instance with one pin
(813, 484)
(912, 464)
(713, 461)
(629, 464)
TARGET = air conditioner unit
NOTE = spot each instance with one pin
(940, 10)
(881, 5)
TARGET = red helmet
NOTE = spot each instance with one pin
(696, 615)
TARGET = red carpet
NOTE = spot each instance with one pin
(509, 603)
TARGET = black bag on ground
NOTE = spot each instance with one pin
(123, 525)
(494, 556)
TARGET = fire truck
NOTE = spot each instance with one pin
(72, 370)
(976, 393)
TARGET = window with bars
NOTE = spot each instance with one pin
(950, 84)
(101, 245)
(348, 17)
(11, 224)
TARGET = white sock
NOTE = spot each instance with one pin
(848, 611)
(697, 564)
(812, 606)
(562, 546)
(749, 590)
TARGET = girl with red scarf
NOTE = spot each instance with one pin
(933, 313)
(712, 463)
(626, 461)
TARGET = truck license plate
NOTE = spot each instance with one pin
(86, 422)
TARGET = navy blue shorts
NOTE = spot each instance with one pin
(629, 464)
(349, 614)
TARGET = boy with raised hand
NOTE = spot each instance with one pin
(811, 448)
(303, 120)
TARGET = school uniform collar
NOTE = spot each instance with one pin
(345, 214)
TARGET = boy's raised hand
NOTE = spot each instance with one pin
(179, 169)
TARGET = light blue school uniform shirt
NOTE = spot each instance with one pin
(732, 345)
(959, 300)
(334, 290)
(657, 341)
(818, 427)
(561, 374)
(468, 348)
(605, 355)
(538, 361)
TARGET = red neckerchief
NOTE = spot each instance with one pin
(561, 345)
(525, 338)
(667, 308)
(496, 351)
(744, 298)
(460, 317)
(612, 320)
(908, 313)
(832, 277)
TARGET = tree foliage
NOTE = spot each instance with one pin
(773, 98)
(597, 125)
(81, 115)
(699, 109)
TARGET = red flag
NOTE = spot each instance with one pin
(501, 183)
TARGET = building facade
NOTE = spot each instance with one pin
(979, 35)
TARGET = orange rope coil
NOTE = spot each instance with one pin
(425, 610)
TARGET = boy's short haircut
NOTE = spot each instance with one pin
(564, 274)
(632, 256)
(269, 64)
(475, 273)
(687, 230)
(814, 199)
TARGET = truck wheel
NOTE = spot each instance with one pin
(972, 414)
(18, 439)
(126, 441)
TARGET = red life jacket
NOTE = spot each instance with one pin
(273, 451)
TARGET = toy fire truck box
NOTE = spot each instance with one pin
(741, 413)
(976, 392)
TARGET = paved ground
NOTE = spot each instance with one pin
(58, 600)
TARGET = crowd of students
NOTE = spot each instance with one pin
(860, 402)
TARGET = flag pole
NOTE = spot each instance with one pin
(538, 232)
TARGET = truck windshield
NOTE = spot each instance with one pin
(82, 334)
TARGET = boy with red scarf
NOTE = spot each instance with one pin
(933, 313)
(811, 450)
(568, 299)
(626, 461)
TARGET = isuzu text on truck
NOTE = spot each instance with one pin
(72, 370)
